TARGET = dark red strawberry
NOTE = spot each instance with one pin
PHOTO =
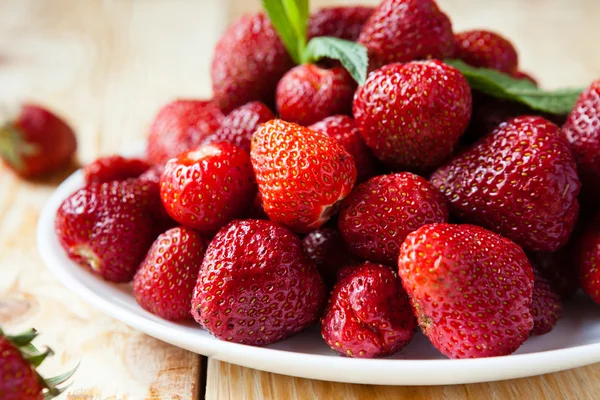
(368, 314)
(302, 174)
(248, 62)
(341, 22)
(559, 269)
(486, 49)
(114, 168)
(180, 126)
(546, 307)
(256, 211)
(520, 181)
(407, 30)
(587, 257)
(470, 288)
(36, 142)
(164, 283)
(206, 188)
(256, 286)
(412, 115)
(107, 227)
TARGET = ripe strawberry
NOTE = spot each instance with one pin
(376, 217)
(412, 115)
(179, 126)
(164, 283)
(36, 142)
(248, 62)
(206, 188)
(559, 269)
(341, 22)
(520, 181)
(470, 288)
(486, 49)
(407, 30)
(256, 286)
(114, 168)
(546, 307)
(240, 124)
(151, 180)
(107, 228)
(368, 314)
(256, 210)
(587, 258)
(343, 129)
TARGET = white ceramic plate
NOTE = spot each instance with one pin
(574, 342)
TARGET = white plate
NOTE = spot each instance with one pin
(574, 342)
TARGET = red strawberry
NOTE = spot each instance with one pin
(546, 307)
(308, 93)
(206, 188)
(376, 217)
(368, 314)
(486, 49)
(302, 174)
(256, 211)
(520, 181)
(180, 126)
(470, 288)
(559, 269)
(412, 115)
(248, 62)
(343, 129)
(256, 286)
(240, 124)
(341, 22)
(165, 281)
(114, 168)
(36, 142)
(407, 30)
(151, 180)
(587, 258)
(107, 228)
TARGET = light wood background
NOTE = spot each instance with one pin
(107, 66)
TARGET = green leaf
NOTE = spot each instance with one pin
(297, 15)
(498, 84)
(279, 12)
(23, 338)
(353, 56)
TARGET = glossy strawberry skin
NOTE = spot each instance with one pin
(546, 307)
(256, 286)
(164, 283)
(470, 289)
(406, 30)
(206, 188)
(520, 181)
(587, 257)
(19, 380)
(114, 168)
(378, 215)
(368, 314)
(412, 115)
(340, 22)
(179, 126)
(248, 61)
(301, 174)
(486, 49)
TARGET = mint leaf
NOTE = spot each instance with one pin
(287, 29)
(297, 15)
(353, 56)
(498, 84)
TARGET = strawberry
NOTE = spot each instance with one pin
(302, 174)
(179, 126)
(559, 269)
(341, 22)
(546, 307)
(107, 227)
(486, 49)
(412, 115)
(114, 168)
(368, 314)
(151, 179)
(248, 61)
(36, 142)
(520, 181)
(308, 93)
(407, 30)
(256, 286)
(587, 258)
(343, 129)
(239, 125)
(470, 288)
(206, 188)
(164, 283)
(256, 210)
(376, 217)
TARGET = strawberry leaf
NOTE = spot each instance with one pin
(353, 56)
(289, 17)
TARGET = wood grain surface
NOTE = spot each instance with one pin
(106, 66)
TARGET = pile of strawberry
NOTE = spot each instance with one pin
(400, 175)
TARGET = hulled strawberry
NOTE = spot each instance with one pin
(114, 168)
(587, 258)
(256, 286)
(302, 174)
(520, 181)
(340, 22)
(368, 314)
(470, 289)
(206, 188)
(412, 115)
(546, 307)
(486, 49)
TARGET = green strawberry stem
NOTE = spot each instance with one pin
(13, 147)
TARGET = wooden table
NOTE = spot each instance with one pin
(107, 66)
